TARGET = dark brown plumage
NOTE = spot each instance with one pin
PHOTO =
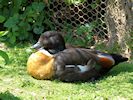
(84, 64)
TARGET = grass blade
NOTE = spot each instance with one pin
(4, 56)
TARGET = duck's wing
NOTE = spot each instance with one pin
(72, 76)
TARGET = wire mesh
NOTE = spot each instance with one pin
(90, 13)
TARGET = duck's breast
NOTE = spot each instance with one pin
(40, 66)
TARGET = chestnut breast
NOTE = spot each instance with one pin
(40, 65)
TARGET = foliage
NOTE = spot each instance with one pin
(22, 18)
(74, 1)
(2, 19)
(3, 33)
(104, 47)
(83, 34)
(17, 84)
(4, 55)
(8, 96)
(93, 4)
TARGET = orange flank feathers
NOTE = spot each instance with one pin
(40, 66)
(106, 61)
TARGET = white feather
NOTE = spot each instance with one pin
(82, 68)
(45, 52)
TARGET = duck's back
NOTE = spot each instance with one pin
(78, 56)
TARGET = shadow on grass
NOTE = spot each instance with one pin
(12, 71)
(123, 67)
(8, 96)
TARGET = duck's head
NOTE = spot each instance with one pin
(52, 41)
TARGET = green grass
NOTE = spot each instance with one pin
(16, 84)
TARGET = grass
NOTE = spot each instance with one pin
(16, 84)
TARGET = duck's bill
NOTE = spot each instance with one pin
(37, 46)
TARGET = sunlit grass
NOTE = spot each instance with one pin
(16, 84)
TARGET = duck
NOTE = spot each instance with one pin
(70, 64)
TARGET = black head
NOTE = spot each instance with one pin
(119, 58)
(51, 40)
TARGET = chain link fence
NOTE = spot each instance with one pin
(85, 18)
